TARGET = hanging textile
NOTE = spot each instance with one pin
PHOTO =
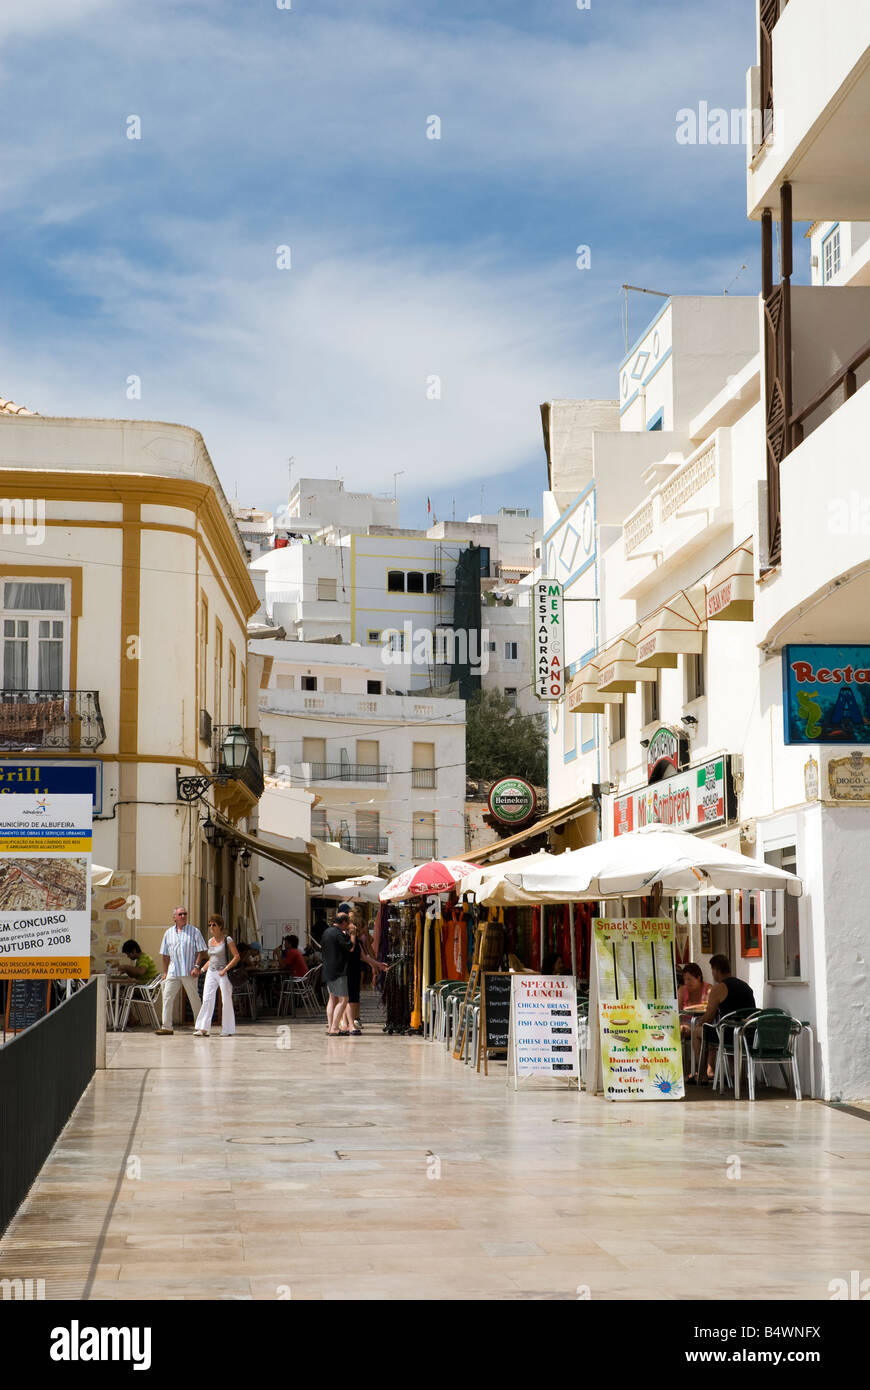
(417, 1001)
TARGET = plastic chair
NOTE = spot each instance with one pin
(143, 994)
(773, 1041)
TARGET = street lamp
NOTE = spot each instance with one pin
(233, 757)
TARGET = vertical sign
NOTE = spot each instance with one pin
(548, 646)
(543, 1026)
(45, 887)
(641, 1051)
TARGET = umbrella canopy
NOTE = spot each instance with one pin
(629, 866)
(364, 889)
(492, 886)
(100, 875)
(438, 876)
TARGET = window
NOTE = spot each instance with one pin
(332, 683)
(395, 582)
(484, 562)
(657, 421)
(231, 686)
(319, 824)
(243, 695)
(617, 722)
(373, 637)
(696, 684)
(511, 651)
(433, 582)
(423, 845)
(327, 590)
(314, 750)
(203, 652)
(442, 641)
(309, 682)
(285, 682)
(491, 646)
(368, 829)
(415, 582)
(423, 765)
(748, 917)
(510, 692)
(782, 923)
(218, 671)
(374, 687)
(35, 638)
(368, 752)
(651, 712)
(831, 255)
(396, 641)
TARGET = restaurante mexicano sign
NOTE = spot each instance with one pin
(548, 675)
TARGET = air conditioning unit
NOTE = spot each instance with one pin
(205, 727)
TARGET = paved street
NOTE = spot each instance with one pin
(378, 1167)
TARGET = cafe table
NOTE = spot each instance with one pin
(265, 976)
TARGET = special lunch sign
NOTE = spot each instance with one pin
(826, 694)
(698, 797)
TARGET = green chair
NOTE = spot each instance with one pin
(773, 1041)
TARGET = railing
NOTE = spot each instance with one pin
(423, 777)
(424, 849)
(665, 502)
(251, 775)
(364, 844)
(51, 719)
(846, 378)
(770, 13)
(638, 527)
(348, 772)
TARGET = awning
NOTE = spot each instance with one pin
(318, 862)
(731, 589)
(584, 697)
(582, 806)
(618, 668)
(675, 629)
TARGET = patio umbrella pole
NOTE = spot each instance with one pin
(573, 943)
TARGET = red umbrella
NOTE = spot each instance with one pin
(438, 876)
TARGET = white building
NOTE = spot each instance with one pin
(388, 770)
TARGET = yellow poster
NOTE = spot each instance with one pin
(641, 1052)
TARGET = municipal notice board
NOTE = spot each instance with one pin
(45, 887)
(543, 1026)
(641, 1051)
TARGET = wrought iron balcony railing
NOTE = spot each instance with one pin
(423, 777)
(364, 844)
(348, 772)
(51, 719)
(251, 775)
(424, 849)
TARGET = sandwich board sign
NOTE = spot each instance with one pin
(543, 1039)
(641, 1051)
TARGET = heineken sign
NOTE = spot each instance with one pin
(548, 675)
(512, 800)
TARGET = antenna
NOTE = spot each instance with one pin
(638, 289)
(736, 278)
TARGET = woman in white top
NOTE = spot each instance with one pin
(222, 958)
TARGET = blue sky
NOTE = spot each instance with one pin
(411, 258)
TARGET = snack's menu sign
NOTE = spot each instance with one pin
(45, 887)
(641, 1052)
(543, 1026)
(113, 919)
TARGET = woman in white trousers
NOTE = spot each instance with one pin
(222, 958)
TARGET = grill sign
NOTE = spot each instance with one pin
(548, 646)
(512, 800)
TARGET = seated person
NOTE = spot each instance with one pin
(292, 958)
(142, 967)
(693, 991)
(248, 956)
(552, 964)
(727, 995)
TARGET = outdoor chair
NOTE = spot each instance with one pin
(144, 996)
(429, 997)
(772, 1042)
(725, 1036)
(300, 989)
(245, 994)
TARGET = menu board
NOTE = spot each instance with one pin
(27, 1001)
(113, 920)
(495, 1015)
(543, 1026)
(641, 1051)
(45, 886)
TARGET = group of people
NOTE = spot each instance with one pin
(344, 947)
(726, 995)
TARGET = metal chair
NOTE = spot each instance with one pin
(143, 995)
(245, 994)
(724, 1025)
(300, 989)
(773, 1034)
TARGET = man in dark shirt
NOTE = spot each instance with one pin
(335, 949)
(728, 994)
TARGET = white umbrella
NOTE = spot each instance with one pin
(492, 886)
(365, 889)
(100, 876)
(630, 865)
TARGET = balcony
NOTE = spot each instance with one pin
(65, 719)
(423, 777)
(251, 775)
(364, 844)
(424, 849)
(345, 772)
(814, 112)
(686, 508)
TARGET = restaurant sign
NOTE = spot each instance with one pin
(667, 753)
(512, 800)
(548, 676)
(826, 694)
(691, 800)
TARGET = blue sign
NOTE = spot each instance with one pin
(826, 694)
(63, 779)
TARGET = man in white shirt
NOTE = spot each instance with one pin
(183, 950)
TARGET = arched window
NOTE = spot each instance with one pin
(395, 581)
(415, 582)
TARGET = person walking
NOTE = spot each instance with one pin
(183, 950)
(335, 949)
(222, 958)
(360, 951)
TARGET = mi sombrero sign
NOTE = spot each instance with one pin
(512, 801)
